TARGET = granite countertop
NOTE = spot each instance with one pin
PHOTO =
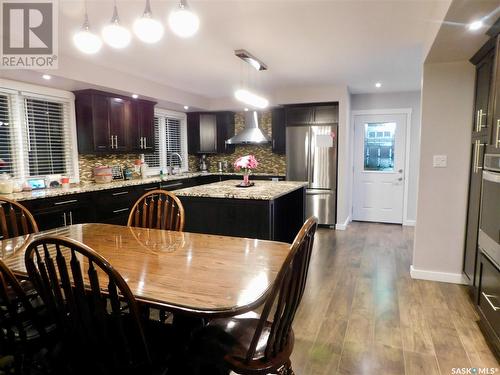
(90, 187)
(262, 190)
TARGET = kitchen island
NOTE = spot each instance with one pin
(269, 210)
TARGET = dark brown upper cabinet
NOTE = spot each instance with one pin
(142, 134)
(109, 123)
(278, 131)
(208, 132)
(311, 114)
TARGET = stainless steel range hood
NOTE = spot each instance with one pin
(251, 134)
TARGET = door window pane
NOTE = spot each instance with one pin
(379, 146)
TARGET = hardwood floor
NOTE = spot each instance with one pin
(363, 314)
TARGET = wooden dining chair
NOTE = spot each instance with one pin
(263, 345)
(157, 209)
(15, 219)
(23, 331)
(95, 312)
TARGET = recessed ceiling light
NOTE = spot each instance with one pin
(476, 25)
(46, 76)
(246, 109)
(186, 107)
(378, 85)
(135, 96)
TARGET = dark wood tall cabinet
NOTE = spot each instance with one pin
(483, 274)
(484, 61)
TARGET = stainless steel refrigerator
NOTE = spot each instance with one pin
(311, 153)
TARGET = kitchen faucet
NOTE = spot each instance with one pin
(180, 159)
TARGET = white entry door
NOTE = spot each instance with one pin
(379, 162)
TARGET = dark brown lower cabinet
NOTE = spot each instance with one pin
(110, 206)
(470, 255)
(489, 302)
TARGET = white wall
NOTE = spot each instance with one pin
(397, 100)
(447, 100)
(341, 95)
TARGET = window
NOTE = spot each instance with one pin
(170, 142)
(7, 161)
(37, 132)
(379, 150)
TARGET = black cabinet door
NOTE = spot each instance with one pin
(120, 118)
(208, 133)
(482, 111)
(278, 131)
(146, 119)
(193, 131)
(489, 302)
(92, 123)
(495, 128)
(225, 130)
(327, 114)
(299, 115)
(475, 180)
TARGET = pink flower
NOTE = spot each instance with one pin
(246, 162)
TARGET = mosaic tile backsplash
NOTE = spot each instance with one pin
(268, 162)
(88, 162)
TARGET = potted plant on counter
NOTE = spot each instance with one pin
(246, 164)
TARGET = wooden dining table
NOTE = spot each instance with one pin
(198, 274)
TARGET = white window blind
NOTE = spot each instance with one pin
(173, 136)
(154, 160)
(170, 138)
(47, 139)
(8, 162)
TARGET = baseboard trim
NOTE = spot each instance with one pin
(445, 277)
(409, 223)
(344, 225)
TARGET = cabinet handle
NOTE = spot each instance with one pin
(151, 188)
(119, 193)
(112, 139)
(497, 140)
(480, 122)
(145, 142)
(65, 202)
(273, 144)
(477, 156)
(64, 218)
(171, 185)
(120, 210)
(116, 141)
(140, 143)
(70, 218)
(487, 297)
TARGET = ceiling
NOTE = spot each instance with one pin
(454, 42)
(305, 43)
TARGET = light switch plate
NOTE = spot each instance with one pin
(440, 161)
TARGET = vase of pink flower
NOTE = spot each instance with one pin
(245, 164)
